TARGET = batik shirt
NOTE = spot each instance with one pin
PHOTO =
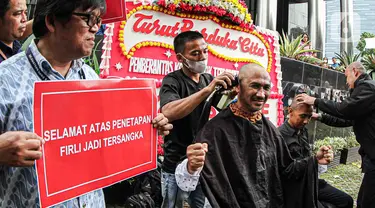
(18, 185)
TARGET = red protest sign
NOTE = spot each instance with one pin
(116, 11)
(97, 133)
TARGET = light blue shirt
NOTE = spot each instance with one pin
(18, 185)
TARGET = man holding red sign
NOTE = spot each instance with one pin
(65, 32)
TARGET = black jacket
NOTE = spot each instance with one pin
(360, 108)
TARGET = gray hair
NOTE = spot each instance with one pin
(359, 66)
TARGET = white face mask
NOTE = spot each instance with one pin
(198, 67)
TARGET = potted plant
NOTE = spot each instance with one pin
(346, 59)
(337, 144)
(292, 48)
(351, 148)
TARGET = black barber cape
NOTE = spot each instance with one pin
(302, 192)
(246, 162)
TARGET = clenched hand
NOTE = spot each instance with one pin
(161, 123)
(196, 154)
(20, 148)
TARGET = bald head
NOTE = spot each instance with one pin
(358, 66)
(252, 70)
(297, 106)
(254, 87)
(299, 114)
(352, 72)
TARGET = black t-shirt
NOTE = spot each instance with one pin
(9, 52)
(175, 86)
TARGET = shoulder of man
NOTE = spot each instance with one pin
(15, 63)
(267, 124)
(282, 129)
(363, 87)
(175, 77)
(222, 116)
(208, 78)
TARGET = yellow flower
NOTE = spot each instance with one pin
(121, 39)
(122, 26)
(122, 45)
(131, 53)
(121, 35)
(125, 53)
(128, 56)
(133, 49)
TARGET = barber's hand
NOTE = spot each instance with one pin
(324, 155)
(161, 123)
(315, 116)
(20, 148)
(305, 99)
(224, 79)
(196, 154)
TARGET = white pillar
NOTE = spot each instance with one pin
(266, 14)
(346, 43)
(316, 19)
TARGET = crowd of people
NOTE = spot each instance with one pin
(305, 42)
(237, 159)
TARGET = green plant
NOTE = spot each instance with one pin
(362, 44)
(369, 62)
(346, 58)
(351, 141)
(92, 60)
(337, 143)
(346, 178)
(292, 48)
(310, 60)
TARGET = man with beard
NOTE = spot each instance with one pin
(244, 156)
(359, 110)
(307, 191)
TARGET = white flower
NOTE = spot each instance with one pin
(193, 2)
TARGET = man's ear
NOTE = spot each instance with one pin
(180, 58)
(50, 23)
(290, 110)
(237, 88)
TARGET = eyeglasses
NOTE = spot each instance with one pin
(90, 19)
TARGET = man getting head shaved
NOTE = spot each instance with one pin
(243, 156)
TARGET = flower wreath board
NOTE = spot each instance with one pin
(142, 45)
